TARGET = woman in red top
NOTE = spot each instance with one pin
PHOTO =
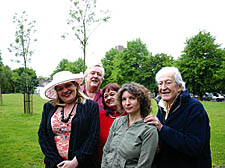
(108, 115)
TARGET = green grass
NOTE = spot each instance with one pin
(18, 133)
(216, 112)
(19, 146)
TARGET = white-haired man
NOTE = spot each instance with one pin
(182, 123)
(93, 80)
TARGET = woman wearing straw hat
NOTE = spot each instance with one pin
(69, 129)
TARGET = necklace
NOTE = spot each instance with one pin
(65, 120)
(115, 115)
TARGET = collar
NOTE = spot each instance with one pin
(97, 96)
(163, 104)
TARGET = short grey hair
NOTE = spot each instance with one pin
(97, 65)
(176, 72)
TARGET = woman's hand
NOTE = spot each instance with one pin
(68, 163)
(152, 120)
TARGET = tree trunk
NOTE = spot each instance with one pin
(28, 103)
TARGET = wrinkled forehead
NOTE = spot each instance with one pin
(166, 76)
(95, 69)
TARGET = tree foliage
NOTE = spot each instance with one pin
(84, 21)
(200, 60)
(24, 38)
(1, 63)
(202, 65)
(134, 63)
(5, 79)
(153, 65)
(5, 76)
(219, 74)
(128, 64)
(66, 65)
(18, 77)
(107, 63)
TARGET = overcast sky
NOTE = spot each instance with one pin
(163, 25)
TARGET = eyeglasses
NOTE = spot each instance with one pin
(165, 83)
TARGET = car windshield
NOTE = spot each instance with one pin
(210, 94)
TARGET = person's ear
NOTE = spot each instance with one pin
(179, 88)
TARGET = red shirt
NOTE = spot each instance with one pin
(105, 124)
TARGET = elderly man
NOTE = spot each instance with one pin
(93, 79)
(182, 123)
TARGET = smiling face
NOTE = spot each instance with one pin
(94, 77)
(130, 103)
(109, 98)
(168, 87)
(67, 92)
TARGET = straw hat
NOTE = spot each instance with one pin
(60, 78)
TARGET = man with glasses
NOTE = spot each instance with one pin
(182, 123)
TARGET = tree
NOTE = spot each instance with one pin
(219, 74)
(153, 65)
(24, 32)
(200, 60)
(1, 58)
(134, 63)
(65, 65)
(18, 77)
(22, 45)
(77, 66)
(84, 21)
(1, 69)
(107, 63)
(128, 64)
(5, 79)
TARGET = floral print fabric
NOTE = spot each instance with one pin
(61, 132)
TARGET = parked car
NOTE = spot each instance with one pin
(213, 96)
(207, 96)
(218, 97)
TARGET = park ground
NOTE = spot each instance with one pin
(19, 146)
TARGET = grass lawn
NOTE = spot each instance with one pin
(18, 133)
(19, 146)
